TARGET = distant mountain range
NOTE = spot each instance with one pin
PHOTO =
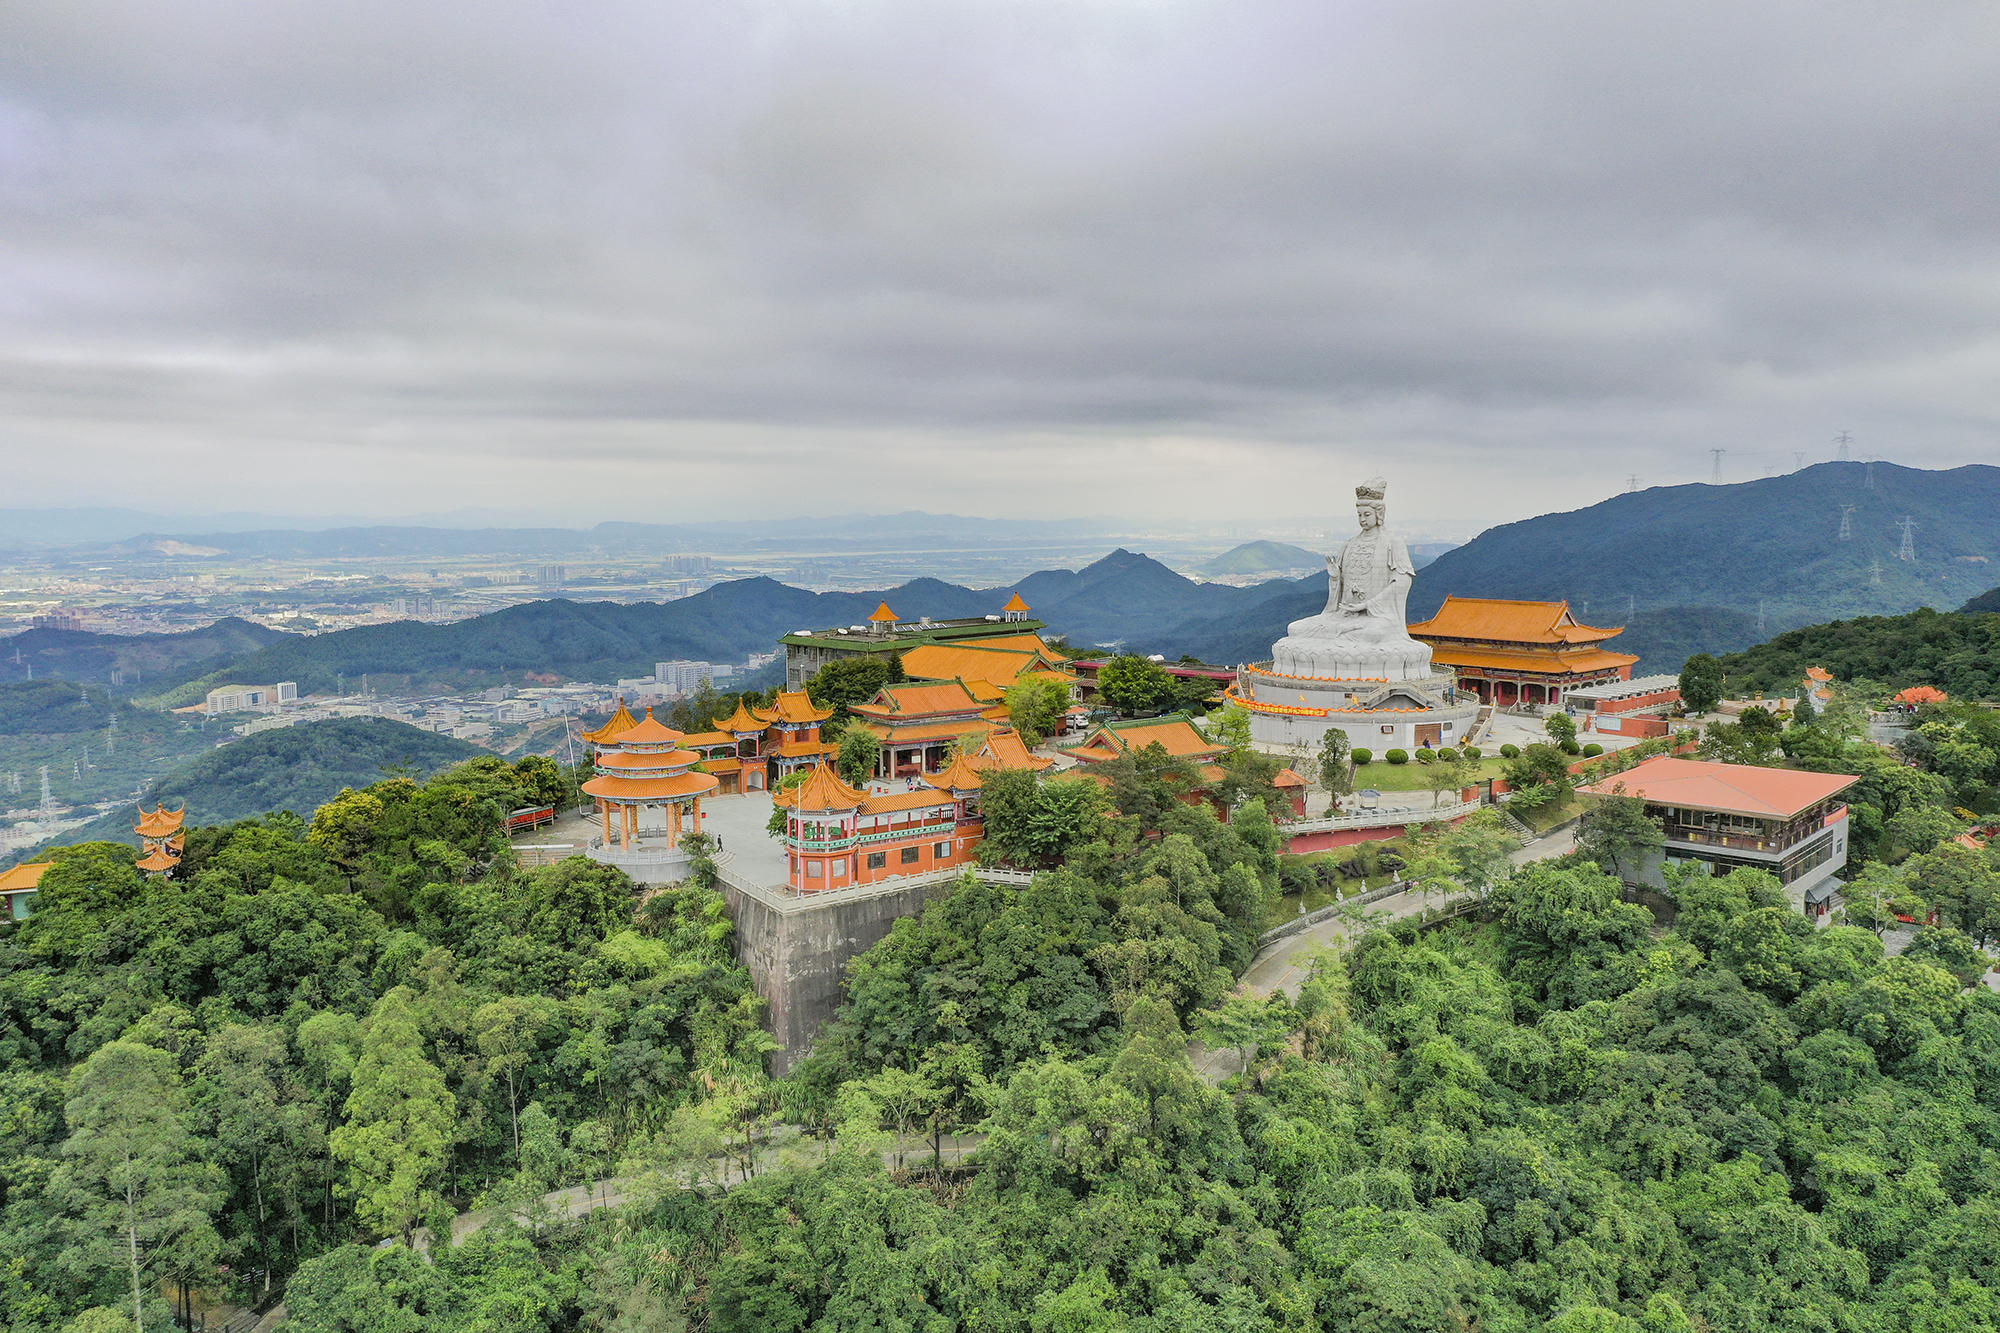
(113, 532)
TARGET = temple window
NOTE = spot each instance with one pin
(911, 855)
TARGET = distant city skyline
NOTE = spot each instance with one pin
(1181, 262)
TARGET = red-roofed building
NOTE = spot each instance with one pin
(1790, 823)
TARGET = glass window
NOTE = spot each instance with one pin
(943, 850)
(911, 855)
(813, 870)
(840, 869)
(878, 860)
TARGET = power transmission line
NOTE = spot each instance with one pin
(1760, 615)
(1715, 473)
(1876, 565)
(1847, 523)
(1632, 482)
(1908, 550)
(1799, 457)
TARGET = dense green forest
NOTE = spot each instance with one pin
(97, 747)
(1550, 1109)
(1959, 653)
(130, 663)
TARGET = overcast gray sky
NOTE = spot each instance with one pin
(647, 260)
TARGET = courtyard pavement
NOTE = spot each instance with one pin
(738, 822)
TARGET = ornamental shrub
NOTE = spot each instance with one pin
(1361, 756)
(1592, 750)
(1426, 755)
(1510, 752)
(1398, 756)
(1446, 755)
(1472, 752)
(1571, 747)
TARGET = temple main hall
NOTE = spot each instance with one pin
(1513, 652)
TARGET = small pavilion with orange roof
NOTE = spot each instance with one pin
(160, 831)
(648, 796)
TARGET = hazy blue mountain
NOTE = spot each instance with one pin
(1261, 557)
(1775, 541)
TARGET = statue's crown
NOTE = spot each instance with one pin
(1375, 488)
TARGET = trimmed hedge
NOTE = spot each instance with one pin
(1592, 750)
(1426, 755)
(1361, 756)
(1447, 755)
(1398, 756)
(1510, 752)
(1472, 752)
(1571, 747)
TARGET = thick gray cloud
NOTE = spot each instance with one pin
(1123, 257)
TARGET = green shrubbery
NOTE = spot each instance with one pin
(1592, 750)
(1447, 755)
(1425, 754)
(1510, 752)
(1398, 756)
(1362, 756)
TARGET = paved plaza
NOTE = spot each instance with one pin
(739, 823)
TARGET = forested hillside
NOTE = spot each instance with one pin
(1775, 541)
(1558, 1113)
(290, 768)
(94, 744)
(129, 663)
(1957, 653)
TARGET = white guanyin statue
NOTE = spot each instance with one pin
(1362, 634)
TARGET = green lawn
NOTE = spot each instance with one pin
(1413, 776)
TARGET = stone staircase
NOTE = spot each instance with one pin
(1514, 826)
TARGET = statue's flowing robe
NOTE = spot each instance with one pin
(1371, 574)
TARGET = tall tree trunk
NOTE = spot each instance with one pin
(132, 1252)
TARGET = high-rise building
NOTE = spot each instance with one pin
(551, 576)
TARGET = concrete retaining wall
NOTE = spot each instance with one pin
(797, 946)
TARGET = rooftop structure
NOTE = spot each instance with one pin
(886, 635)
(1512, 652)
(1790, 823)
(163, 840)
(648, 787)
(18, 886)
(917, 722)
(242, 698)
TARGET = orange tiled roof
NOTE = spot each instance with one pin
(1177, 735)
(615, 788)
(622, 720)
(1015, 603)
(155, 861)
(1921, 694)
(743, 719)
(159, 822)
(896, 732)
(1552, 660)
(969, 662)
(1006, 749)
(652, 731)
(919, 699)
(1287, 778)
(1505, 621)
(16, 879)
(822, 790)
(707, 738)
(728, 765)
(1818, 673)
(959, 775)
(796, 707)
(803, 749)
(647, 761)
(883, 615)
(1027, 642)
(905, 800)
(1738, 789)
